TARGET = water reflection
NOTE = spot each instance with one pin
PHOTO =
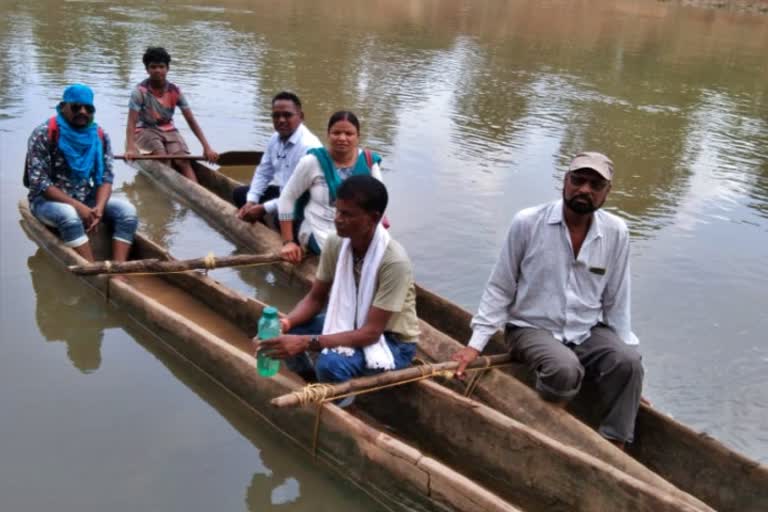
(159, 215)
(281, 475)
(476, 107)
(68, 314)
(511, 93)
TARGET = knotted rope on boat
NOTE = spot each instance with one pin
(322, 393)
(477, 375)
(313, 393)
(210, 261)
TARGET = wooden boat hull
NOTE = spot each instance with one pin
(690, 460)
(554, 477)
(388, 468)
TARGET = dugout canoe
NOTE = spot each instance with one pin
(395, 444)
(218, 343)
(692, 461)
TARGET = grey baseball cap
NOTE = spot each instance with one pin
(598, 162)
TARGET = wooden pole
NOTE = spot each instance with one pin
(388, 379)
(163, 266)
(226, 159)
(160, 157)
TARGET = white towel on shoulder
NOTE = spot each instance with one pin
(340, 315)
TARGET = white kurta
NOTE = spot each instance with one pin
(319, 213)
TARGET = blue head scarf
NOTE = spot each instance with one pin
(81, 147)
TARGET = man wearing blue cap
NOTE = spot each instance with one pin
(69, 175)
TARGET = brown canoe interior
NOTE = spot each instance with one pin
(693, 461)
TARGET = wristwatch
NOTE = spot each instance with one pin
(314, 343)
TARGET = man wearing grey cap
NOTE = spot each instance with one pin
(561, 289)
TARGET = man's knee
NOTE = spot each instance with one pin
(60, 214)
(560, 381)
(69, 222)
(330, 367)
(629, 363)
(125, 212)
(70, 226)
(124, 218)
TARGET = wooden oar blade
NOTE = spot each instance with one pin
(235, 158)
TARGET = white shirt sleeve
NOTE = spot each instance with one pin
(499, 293)
(299, 182)
(271, 206)
(262, 176)
(376, 172)
(616, 296)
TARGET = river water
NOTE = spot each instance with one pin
(476, 107)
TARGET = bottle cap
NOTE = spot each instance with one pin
(269, 311)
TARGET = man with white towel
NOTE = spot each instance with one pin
(365, 280)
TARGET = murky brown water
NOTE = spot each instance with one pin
(475, 107)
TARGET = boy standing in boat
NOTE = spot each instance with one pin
(69, 175)
(150, 116)
(366, 280)
(561, 287)
(291, 141)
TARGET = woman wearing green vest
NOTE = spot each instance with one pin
(308, 200)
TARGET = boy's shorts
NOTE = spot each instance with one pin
(159, 142)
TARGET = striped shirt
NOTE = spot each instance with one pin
(156, 111)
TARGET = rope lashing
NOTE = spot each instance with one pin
(322, 393)
(313, 393)
(210, 261)
(478, 374)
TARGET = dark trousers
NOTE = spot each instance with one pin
(240, 195)
(334, 367)
(613, 366)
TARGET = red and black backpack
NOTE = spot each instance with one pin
(53, 139)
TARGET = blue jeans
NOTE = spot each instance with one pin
(120, 214)
(335, 367)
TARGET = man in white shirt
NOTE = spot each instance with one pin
(561, 287)
(285, 148)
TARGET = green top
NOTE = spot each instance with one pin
(269, 311)
(395, 290)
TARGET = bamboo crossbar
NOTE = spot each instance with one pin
(157, 266)
(161, 157)
(227, 158)
(325, 392)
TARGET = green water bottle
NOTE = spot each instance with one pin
(269, 327)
